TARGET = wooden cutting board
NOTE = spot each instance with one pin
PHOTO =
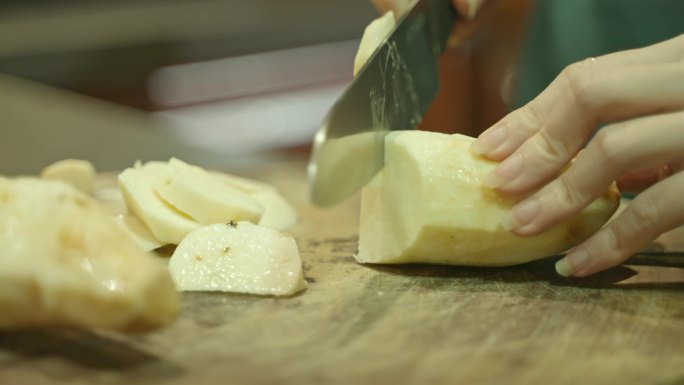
(391, 324)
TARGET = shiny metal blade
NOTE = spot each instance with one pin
(392, 92)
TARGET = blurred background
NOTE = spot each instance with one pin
(226, 83)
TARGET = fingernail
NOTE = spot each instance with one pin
(473, 6)
(563, 268)
(508, 170)
(489, 141)
(522, 214)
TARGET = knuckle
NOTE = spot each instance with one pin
(581, 77)
(615, 245)
(531, 115)
(646, 215)
(551, 152)
(606, 143)
(607, 250)
(568, 195)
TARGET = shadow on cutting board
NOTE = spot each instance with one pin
(621, 288)
(650, 269)
(85, 350)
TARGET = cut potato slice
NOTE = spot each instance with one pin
(429, 206)
(238, 257)
(76, 172)
(138, 232)
(64, 262)
(164, 222)
(373, 35)
(279, 214)
(246, 185)
(195, 192)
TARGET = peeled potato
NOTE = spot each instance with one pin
(140, 234)
(78, 173)
(238, 257)
(174, 198)
(428, 205)
(165, 222)
(65, 262)
(279, 214)
(198, 194)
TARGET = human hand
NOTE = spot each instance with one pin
(466, 8)
(639, 96)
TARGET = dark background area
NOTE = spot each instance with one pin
(108, 49)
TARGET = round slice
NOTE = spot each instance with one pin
(78, 173)
(238, 257)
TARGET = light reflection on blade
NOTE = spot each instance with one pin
(334, 171)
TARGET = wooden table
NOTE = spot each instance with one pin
(392, 324)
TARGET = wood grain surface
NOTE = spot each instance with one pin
(360, 324)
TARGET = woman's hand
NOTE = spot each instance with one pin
(639, 96)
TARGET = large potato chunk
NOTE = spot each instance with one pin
(238, 257)
(65, 262)
(429, 206)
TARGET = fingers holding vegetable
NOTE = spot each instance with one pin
(617, 149)
(542, 137)
(657, 210)
(639, 96)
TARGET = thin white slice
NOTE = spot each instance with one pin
(65, 262)
(240, 257)
(76, 172)
(279, 214)
(373, 35)
(243, 184)
(153, 168)
(195, 192)
(138, 232)
(164, 222)
(429, 206)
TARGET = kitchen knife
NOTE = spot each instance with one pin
(392, 92)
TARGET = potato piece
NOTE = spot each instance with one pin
(165, 222)
(138, 232)
(195, 192)
(76, 172)
(64, 262)
(238, 257)
(279, 214)
(246, 185)
(373, 35)
(428, 206)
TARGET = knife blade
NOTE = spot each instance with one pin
(392, 92)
